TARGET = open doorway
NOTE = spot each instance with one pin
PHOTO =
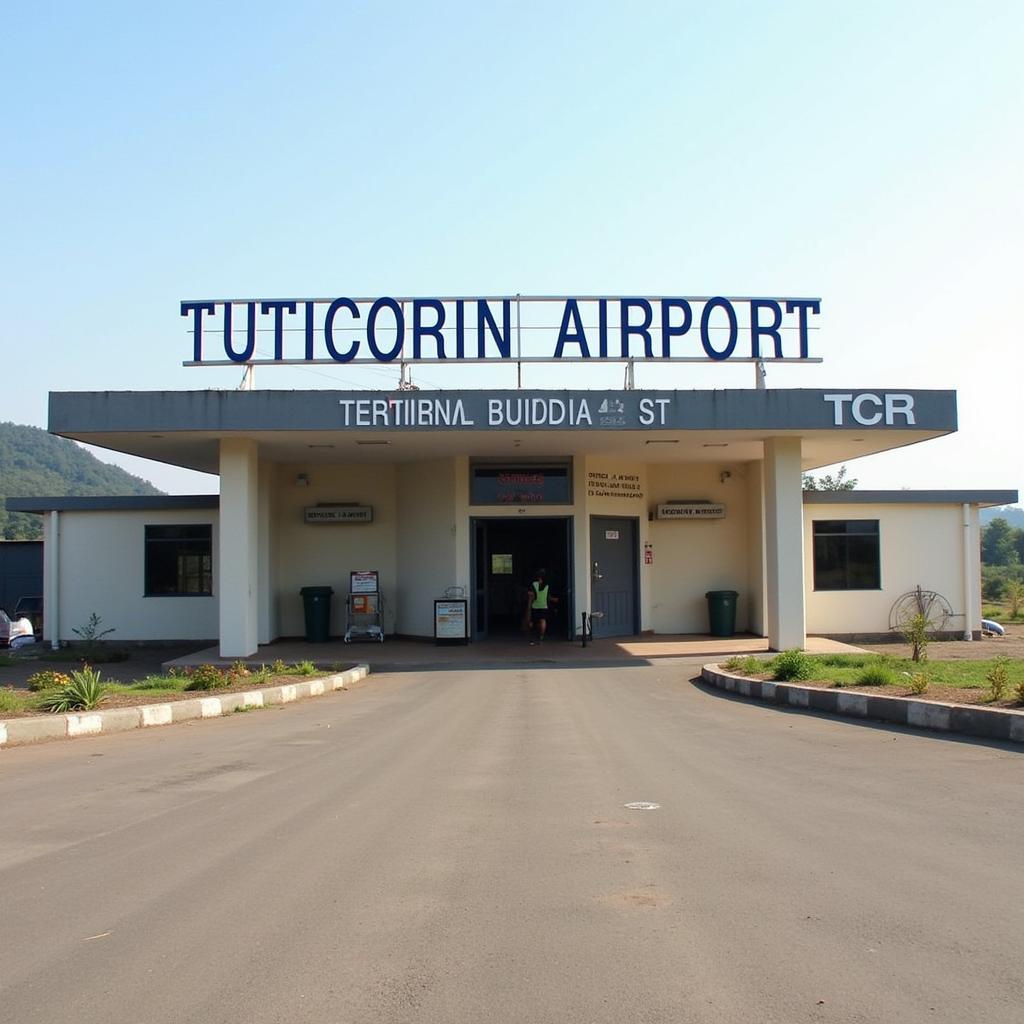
(506, 555)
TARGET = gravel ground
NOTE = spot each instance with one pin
(1009, 646)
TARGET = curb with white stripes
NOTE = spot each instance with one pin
(39, 728)
(965, 720)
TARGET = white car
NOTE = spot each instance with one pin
(14, 632)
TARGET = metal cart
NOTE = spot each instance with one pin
(364, 609)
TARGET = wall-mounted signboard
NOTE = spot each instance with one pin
(690, 510)
(520, 485)
(338, 514)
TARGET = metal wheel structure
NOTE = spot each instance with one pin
(929, 603)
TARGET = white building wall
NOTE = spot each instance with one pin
(323, 554)
(692, 557)
(427, 533)
(102, 570)
(919, 544)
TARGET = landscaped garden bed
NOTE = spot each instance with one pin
(85, 689)
(992, 682)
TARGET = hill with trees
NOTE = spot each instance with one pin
(1013, 514)
(34, 463)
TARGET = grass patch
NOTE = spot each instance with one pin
(12, 701)
(746, 665)
(876, 675)
(855, 669)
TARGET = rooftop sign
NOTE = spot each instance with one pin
(504, 328)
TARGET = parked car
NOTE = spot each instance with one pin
(13, 630)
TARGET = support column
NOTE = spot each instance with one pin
(266, 584)
(239, 547)
(755, 548)
(784, 543)
(51, 586)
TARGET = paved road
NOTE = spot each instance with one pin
(454, 847)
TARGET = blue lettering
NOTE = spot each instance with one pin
(668, 332)
(770, 331)
(626, 328)
(577, 335)
(434, 331)
(309, 329)
(705, 321)
(503, 338)
(250, 335)
(460, 329)
(197, 309)
(801, 306)
(278, 309)
(332, 309)
(371, 329)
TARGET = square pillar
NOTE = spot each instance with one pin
(238, 561)
(784, 543)
(267, 629)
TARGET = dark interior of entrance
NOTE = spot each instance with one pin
(507, 555)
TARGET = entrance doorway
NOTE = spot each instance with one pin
(613, 575)
(505, 557)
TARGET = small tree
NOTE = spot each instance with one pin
(915, 632)
(1014, 597)
(828, 482)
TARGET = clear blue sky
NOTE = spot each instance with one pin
(869, 153)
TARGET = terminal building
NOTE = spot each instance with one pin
(637, 502)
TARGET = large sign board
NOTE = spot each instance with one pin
(524, 411)
(502, 328)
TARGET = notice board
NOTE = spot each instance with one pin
(451, 620)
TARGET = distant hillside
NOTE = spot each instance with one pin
(1013, 514)
(35, 464)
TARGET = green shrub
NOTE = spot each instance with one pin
(1019, 691)
(1014, 598)
(793, 665)
(240, 669)
(47, 680)
(998, 679)
(84, 692)
(304, 668)
(279, 668)
(918, 683)
(875, 675)
(206, 677)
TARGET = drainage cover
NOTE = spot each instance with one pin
(642, 805)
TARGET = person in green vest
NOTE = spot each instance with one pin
(541, 601)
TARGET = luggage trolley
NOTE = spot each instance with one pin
(364, 616)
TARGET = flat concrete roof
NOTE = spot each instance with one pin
(127, 503)
(985, 498)
(184, 428)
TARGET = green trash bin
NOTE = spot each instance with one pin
(316, 603)
(722, 612)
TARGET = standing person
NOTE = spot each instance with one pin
(540, 604)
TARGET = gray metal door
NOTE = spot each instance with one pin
(613, 573)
